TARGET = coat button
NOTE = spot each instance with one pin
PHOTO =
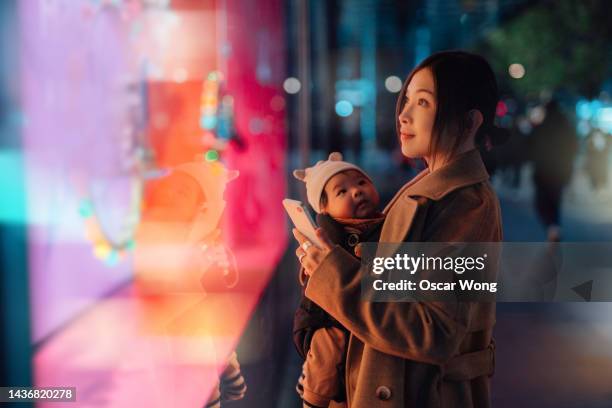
(383, 393)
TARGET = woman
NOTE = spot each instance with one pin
(424, 354)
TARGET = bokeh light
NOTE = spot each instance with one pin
(208, 122)
(516, 71)
(344, 108)
(524, 125)
(277, 103)
(501, 109)
(292, 85)
(393, 83)
(256, 126)
(537, 115)
(583, 128)
(211, 156)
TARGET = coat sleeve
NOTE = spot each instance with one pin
(426, 332)
(429, 332)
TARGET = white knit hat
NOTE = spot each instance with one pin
(318, 175)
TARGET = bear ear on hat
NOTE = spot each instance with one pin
(335, 156)
(299, 174)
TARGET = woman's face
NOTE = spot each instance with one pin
(418, 115)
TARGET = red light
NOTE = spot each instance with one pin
(501, 109)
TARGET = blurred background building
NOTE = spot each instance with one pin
(102, 99)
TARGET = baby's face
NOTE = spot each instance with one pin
(351, 195)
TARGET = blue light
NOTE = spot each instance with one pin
(344, 108)
(422, 44)
(208, 122)
(583, 109)
(596, 105)
(12, 185)
(583, 128)
(604, 119)
(112, 259)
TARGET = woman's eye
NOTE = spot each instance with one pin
(423, 102)
(340, 192)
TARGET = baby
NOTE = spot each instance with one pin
(346, 203)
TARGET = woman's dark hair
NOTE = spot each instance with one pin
(463, 81)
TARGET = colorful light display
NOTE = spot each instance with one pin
(94, 168)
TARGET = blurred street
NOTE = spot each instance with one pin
(551, 346)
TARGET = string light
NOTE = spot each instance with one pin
(209, 101)
(104, 248)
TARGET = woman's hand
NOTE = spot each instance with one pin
(310, 255)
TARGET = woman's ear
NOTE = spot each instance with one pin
(474, 121)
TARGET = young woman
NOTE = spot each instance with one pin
(424, 354)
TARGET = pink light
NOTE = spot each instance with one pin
(501, 109)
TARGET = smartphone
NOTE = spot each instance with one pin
(302, 220)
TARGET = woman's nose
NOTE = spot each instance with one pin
(405, 117)
(357, 192)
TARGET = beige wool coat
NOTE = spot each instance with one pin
(419, 354)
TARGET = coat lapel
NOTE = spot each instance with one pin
(399, 219)
(399, 213)
(401, 191)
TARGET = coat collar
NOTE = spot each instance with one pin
(466, 169)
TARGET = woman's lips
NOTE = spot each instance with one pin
(406, 136)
